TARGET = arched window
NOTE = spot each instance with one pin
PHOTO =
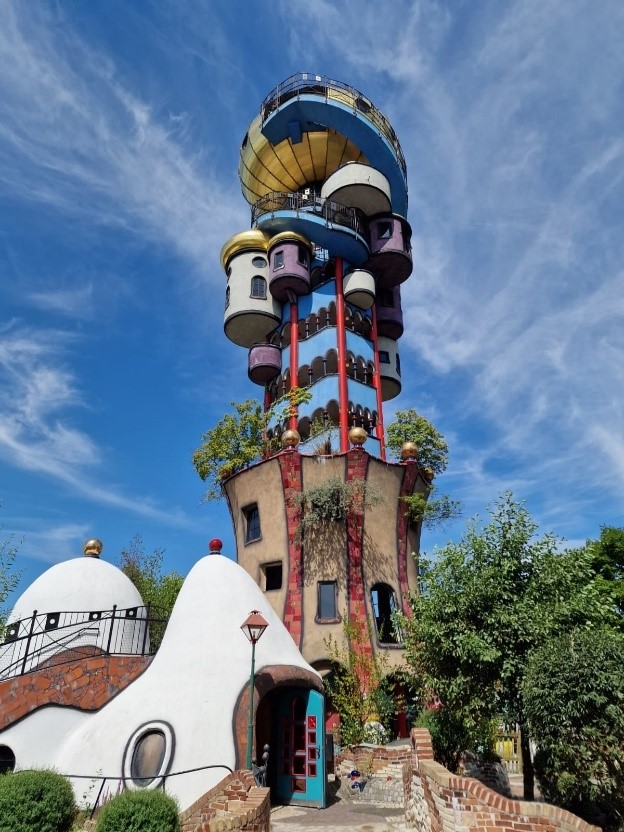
(7, 759)
(385, 608)
(258, 287)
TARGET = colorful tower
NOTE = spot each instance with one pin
(313, 293)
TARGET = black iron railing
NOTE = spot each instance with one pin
(306, 83)
(51, 638)
(311, 203)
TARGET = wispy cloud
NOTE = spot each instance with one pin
(75, 138)
(36, 434)
(511, 122)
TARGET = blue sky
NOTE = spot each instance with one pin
(120, 125)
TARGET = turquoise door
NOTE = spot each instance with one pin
(301, 748)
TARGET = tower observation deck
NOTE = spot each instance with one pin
(313, 287)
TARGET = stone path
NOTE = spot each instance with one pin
(339, 816)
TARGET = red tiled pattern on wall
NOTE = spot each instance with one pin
(357, 469)
(439, 801)
(87, 685)
(290, 469)
(407, 487)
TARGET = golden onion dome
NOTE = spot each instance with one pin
(290, 237)
(252, 240)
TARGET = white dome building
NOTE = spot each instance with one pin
(180, 716)
(83, 604)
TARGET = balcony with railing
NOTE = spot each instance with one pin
(52, 638)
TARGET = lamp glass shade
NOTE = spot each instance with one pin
(253, 626)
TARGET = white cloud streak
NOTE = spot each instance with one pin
(36, 390)
(511, 122)
(74, 138)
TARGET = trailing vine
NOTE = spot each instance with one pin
(332, 500)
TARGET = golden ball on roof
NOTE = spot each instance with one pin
(409, 450)
(357, 436)
(93, 548)
(290, 439)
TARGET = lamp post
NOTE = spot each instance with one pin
(253, 627)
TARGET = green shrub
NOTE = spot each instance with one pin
(36, 800)
(144, 811)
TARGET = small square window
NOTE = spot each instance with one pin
(385, 298)
(327, 606)
(252, 523)
(384, 357)
(384, 230)
(271, 576)
(278, 260)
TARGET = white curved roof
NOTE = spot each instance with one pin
(78, 585)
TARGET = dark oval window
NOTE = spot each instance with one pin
(7, 759)
(259, 262)
(147, 758)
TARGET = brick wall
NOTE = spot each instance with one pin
(381, 773)
(234, 803)
(438, 801)
(87, 684)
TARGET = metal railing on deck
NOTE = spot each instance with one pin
(306, 83)
(47, 639)
(310, 203)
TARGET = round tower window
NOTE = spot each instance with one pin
(259, 262)
(148, 755)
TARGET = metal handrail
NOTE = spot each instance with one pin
(306, 83)
(46, 637)
(122, 778)
(334, 212)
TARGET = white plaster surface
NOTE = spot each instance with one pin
(79, 585)
(193, 683)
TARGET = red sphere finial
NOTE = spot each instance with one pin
(215, 546)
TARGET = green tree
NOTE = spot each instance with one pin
(239, 438)
(358, 687)
(574, 703)
(608, 561)
(410, 426)
(430, 508)
(9, 577)
(158, 591)
(484, 606)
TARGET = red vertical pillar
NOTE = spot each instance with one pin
(343, 396)
(294, 356)
(380, 425)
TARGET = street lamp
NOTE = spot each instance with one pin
(253, 627)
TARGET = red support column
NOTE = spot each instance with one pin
(343, 395)
(294, 356)
(380, 424)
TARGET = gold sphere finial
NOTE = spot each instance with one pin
(357, 436)
(427, 472)
(409, 451)
(290, 439)
(93, 548)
